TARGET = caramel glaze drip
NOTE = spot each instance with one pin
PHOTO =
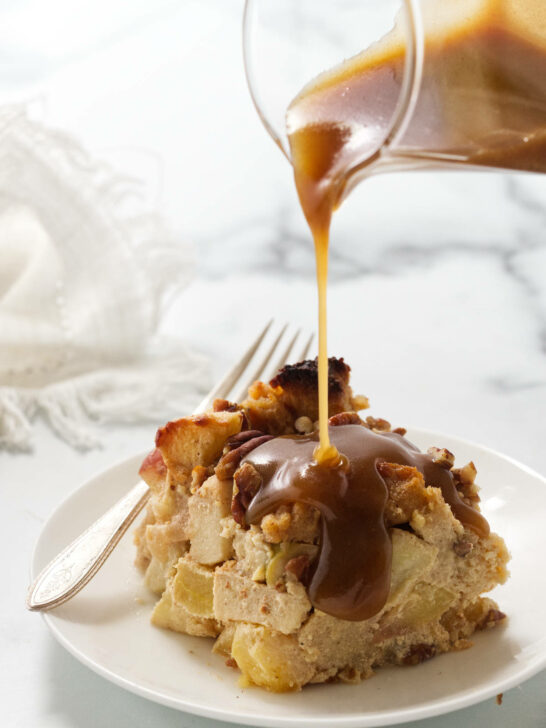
(351, 577)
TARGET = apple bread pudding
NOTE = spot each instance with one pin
(306, 578)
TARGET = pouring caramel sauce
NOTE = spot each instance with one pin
(482, 102)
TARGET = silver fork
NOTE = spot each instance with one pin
(77, 564)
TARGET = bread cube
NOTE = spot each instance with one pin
(239, 598)
(207, 507)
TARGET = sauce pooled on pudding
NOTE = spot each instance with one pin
(351, 576)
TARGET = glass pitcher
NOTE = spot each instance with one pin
(427, 83)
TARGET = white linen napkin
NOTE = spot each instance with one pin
(84, 281)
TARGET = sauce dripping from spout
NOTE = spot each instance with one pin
(482, 102)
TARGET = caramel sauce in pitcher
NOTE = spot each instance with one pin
(482, 101)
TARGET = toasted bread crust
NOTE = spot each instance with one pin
(299, 387)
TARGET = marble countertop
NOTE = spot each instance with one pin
(437, 294)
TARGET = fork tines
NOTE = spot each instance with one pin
(272, 349)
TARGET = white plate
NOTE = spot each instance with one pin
(107, 625)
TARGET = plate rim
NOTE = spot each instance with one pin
(357, 720)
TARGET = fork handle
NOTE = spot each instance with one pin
(70, 571)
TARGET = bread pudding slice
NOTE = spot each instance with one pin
(250, 585)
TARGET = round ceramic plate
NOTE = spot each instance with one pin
(107, 625)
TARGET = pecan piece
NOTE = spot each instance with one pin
(378, 424)
(298, 566)
(360, 402)
(345, 418)
(241, 437)
(229, 462)
(442, 457)
(465, 475)
(248, 481)
(465, 478)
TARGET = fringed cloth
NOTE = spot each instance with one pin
(85, 278)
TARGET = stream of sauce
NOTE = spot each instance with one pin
(351, 577)
(482, 102)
